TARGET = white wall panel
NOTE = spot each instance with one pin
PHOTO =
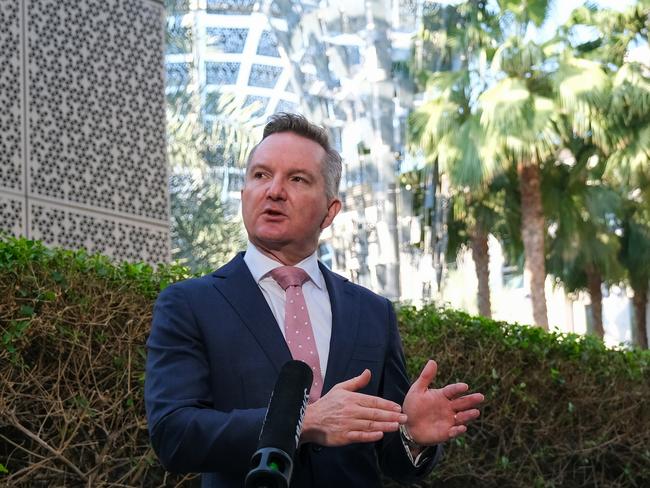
(12, 214)
(11, 82)
(122, 239)
(82, 124)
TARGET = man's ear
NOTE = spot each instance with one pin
(332, 210)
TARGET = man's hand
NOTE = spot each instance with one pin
(437, 415)
(343, 416)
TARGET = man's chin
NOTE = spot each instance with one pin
(271, 242)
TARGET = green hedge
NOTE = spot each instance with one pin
(559, 410)
(72, 334)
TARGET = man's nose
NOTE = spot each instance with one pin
(276, 189)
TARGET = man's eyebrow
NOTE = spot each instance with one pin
(257, 166)
(291, 171)
(300, 171)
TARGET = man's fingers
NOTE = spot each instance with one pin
(372, 426)
(455, 389)
(427, 375)
(357, 436)
(466, 402)
(380, 415)
(378, 403)
(456, 431)
(356, 383)
(467, 416)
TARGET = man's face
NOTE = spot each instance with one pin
(283, 201)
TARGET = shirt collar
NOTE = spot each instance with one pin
(260, 265)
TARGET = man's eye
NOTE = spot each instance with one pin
(258, 174)
(298, 178)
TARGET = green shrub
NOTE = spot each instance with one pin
(559, 410)
(72, 334)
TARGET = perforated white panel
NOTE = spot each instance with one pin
(120, 238)
(96, 111)
(82, 120)
(11, 106)
(11, 215)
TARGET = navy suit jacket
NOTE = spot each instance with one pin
(214, 354)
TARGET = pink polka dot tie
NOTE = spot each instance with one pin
(297, 325)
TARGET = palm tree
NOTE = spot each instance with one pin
(509, 108)
(545, 96)
(446, 126)
(625, 142)
(468, 227)
(447, 130)
(582, 211)
(520, 120)
(473, 216)
(635, 256)
(521, 110)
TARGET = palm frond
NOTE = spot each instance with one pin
(505, 107)
(517, 57)
(632, 155)
(467, 157)
(631, 91)
(431, 122)
(535, 11)
(582, 85)
(443, 111)
(523, 121)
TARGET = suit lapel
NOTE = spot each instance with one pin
(235, 282)
(345, 324)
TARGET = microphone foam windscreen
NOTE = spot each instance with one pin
(283, 421)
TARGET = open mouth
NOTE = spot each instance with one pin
(273, 213)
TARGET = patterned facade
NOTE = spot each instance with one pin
(229, 46)
(82, 142)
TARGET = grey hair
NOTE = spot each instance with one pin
(332, 165)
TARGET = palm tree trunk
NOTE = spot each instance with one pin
(481, 257)
(532, 233)
(640, 302)
(594, 283)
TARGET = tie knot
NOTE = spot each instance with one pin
(287, 276)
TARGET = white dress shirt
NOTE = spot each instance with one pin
(314, 291)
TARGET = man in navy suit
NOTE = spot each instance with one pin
(217, 344)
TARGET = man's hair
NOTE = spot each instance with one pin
(331, 165)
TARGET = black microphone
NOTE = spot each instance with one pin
(272, 463)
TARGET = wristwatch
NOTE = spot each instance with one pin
(408, 440)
